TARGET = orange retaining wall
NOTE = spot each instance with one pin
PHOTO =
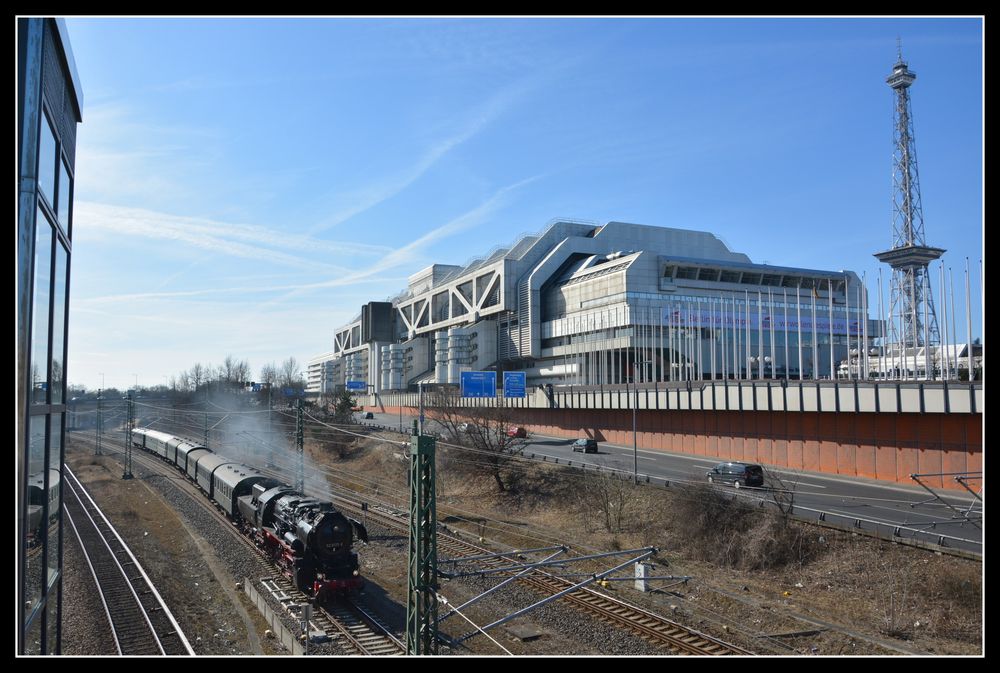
(889, 446)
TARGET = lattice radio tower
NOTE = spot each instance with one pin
(912, 320)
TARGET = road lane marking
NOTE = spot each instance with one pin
(806, 484)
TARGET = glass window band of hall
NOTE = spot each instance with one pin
(46, 214)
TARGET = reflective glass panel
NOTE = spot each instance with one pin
(33, 637)
(40, 314)
(47, 160)
(33, 527)
(65, 193)
(58, 373)
(55, 514)
(51, 624)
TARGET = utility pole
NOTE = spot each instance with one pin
(421, 603)
(129, 421)
(300, 479)
(420, 404)
(205, 443)
(100, 424)
(635, 440)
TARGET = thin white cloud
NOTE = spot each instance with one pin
(374, 194)
(234, 240)
(467, 220)
(414, 251)
(122, 154)
(248, 290)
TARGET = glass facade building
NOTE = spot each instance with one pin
(590, 304)
(49, 109)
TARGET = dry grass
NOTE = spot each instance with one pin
(733, 533)
(777, 566)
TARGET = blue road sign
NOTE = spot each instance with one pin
(479, 384)
(357, 385)
(513, 384)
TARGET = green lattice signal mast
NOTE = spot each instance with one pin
(421, 604)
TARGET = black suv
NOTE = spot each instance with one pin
(585, 445)
(739, 474)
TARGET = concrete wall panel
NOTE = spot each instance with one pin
(827, 442)
(795, 448)
(930, 450)
(864, 459)
(887, 446)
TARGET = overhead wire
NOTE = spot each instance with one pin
(441, 599)
(514, 463)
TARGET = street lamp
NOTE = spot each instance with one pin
(635, 439)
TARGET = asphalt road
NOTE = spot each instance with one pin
(945, 517)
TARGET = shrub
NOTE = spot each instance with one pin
(722, 528)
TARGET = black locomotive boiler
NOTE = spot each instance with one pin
(309, 538)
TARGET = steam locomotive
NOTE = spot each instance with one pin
(310, 539)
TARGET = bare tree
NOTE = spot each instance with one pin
(892, 583)
(291, 373)
(223, 374)
(227, 371)
(198, 375)
(447, 414)
(487, 433)
(269, 374)
(242, 371)
(610, 497)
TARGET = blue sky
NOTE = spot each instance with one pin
(244, 185)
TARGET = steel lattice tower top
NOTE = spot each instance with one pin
(912, 319)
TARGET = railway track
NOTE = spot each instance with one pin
(651, 627)
(359, 627)
(350, 622)
(140, 621)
